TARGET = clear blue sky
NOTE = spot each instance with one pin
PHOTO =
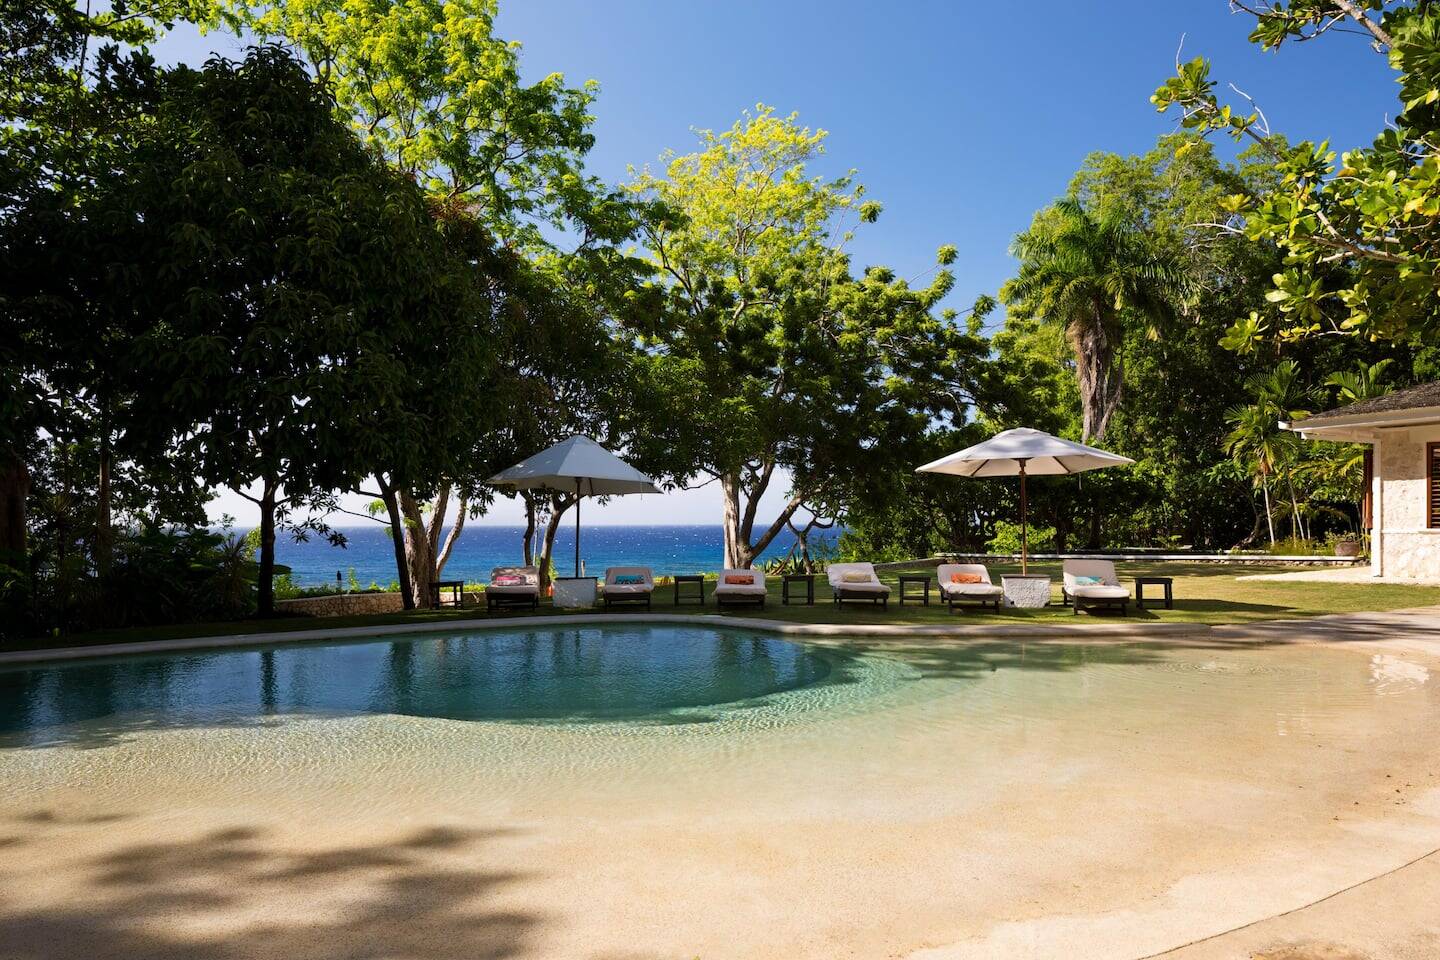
(962, 118)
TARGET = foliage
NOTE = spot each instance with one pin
(755, 325)
(429, 86)
(1084, 273)
(1360, 232)
(1007, 538)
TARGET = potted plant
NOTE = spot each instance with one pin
(1347, 546)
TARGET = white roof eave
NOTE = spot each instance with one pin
(1362, 427)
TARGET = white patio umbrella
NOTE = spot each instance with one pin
(1024, 452)
(578, 465)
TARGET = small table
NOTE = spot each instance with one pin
(796, 578)
(924, 583)
(696, 579)
(455, 589)
(1167, 582)
(1026, 589)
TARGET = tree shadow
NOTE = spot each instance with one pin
(426, 894)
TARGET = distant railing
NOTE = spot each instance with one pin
(1153, 556)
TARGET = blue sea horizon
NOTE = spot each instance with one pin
(665, 548)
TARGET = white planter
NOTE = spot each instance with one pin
(573, 593)
(1026, 591)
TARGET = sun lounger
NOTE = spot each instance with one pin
(968, 583)
(740, 586)
(1092, 583)
(856, 581)
(628, 585)
(513, 587)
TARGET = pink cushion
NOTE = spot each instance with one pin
(508, 580)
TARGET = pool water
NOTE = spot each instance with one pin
(573, 675)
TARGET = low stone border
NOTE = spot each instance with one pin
(819, 630)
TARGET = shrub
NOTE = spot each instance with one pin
(1007, 538)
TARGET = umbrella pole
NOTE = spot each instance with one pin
(577, 526)
(1024, 522)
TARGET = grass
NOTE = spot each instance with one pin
(1204, 593)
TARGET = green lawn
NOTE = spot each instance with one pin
(1204, 593)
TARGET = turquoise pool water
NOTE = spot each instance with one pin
(573, 675)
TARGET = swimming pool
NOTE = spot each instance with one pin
(598, 791)
(556, 675)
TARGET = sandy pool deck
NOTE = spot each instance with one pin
(1267, 791)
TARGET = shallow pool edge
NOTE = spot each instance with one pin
(778, 627)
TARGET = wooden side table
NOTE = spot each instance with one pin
(798, 578)
(1167, 582)
(697, 580)
(448, 593)
(915, 579)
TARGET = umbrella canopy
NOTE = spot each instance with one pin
(578, 465)
(1020, 453)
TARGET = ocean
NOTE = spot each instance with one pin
(664, 549)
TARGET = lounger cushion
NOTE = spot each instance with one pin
(972, 589)
(856, 576)
(870, 587)
(514, 590)
(739, 579)
(749, 589)
(965, 578)
(1099, 592)
(618, 589)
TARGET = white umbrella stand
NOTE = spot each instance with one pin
(1020, 453)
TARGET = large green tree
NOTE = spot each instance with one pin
(430, 87)
(775, 358)
(282, 288)
(1360, 230)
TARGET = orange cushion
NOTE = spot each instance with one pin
(739, 578)
(965, 578)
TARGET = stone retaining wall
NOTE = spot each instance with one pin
(342, 605)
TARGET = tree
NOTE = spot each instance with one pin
(1081, 272)
(56, 132)
(428, 86)
(1259, 443)
(1360, 234)
(288, 295)
(772, 356)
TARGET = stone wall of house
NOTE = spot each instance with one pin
(1410, 548)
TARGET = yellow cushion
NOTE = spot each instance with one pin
(854, 576)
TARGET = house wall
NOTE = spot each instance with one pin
(1408, 547)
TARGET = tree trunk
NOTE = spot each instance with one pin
(558, 506)
(397, 541)
(456, 529)
(740, 551)
(1098, 374)
(14, 489)
(104, 530)
(1094, 526)
(737, 548)
(529, 528)
(1269, 515)
(419, 557)
(265, 600)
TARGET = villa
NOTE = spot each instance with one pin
(1402, 505)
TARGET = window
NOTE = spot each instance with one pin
(1432, 485)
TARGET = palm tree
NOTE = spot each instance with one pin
(1257, 442)
(1084, 273)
